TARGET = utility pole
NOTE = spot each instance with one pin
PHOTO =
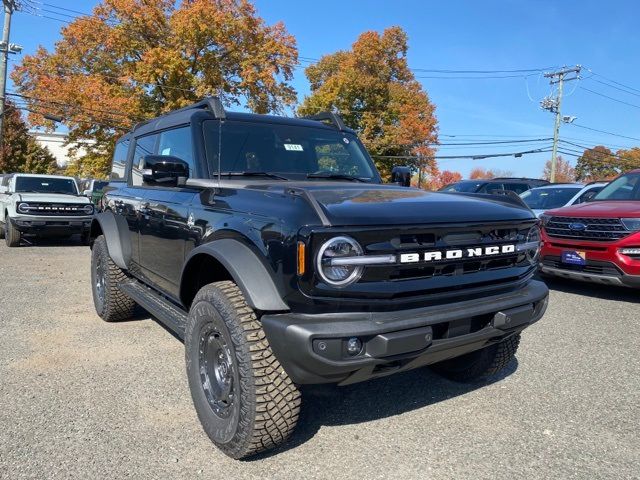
(5, 49)
(553, 104)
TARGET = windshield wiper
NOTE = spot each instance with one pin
(253, 174)
(336, 176)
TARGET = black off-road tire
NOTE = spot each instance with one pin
(262, 404)
(111, 303)
(12, 235)
(2, 230)
(481, 364)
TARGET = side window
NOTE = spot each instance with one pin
(177, 142)
(119, 160)
(491, 187)
(144, 146)
(516, 187)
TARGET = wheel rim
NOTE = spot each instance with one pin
(216, 371)
(100, 280)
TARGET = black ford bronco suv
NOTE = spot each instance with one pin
(272, 248)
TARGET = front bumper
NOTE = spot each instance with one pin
(604, 263)
(52, 225)
(312, 348)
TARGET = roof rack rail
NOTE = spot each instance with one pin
(211, 103)
(334, 118)
(520, 178)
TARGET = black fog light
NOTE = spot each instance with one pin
(354, 346)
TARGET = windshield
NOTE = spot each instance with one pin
(626, 187)
(467, 187)
(46, 185)
(548, 198)
(287, 151)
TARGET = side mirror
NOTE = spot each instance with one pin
(87, 193)
(164, 170)
(401, 176)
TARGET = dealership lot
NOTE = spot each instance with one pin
(86, 399)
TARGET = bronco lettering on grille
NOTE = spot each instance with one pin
(455, 254)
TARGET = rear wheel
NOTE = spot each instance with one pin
(245, 400)
(481, 364)
(1, 230)
(110, 302)
(12, 235)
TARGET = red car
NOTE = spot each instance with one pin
(597, 241)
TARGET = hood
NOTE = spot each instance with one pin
(613, 209)
(51, 198)
(369, 204)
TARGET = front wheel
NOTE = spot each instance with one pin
(12, 235)
(481, 364)
(244, 399)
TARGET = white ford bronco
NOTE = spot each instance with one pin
(42, 205)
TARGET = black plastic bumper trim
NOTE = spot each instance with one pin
(294, 337)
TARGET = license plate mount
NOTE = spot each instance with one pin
(574, 257)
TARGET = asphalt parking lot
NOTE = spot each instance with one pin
(85, 399)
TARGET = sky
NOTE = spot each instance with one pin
(488, 35)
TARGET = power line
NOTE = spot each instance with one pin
(613, 86)
(615, 82)
(610, 98)
(605, 132)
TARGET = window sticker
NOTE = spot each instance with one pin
(293, 147)
(166, 151)
(346, 140)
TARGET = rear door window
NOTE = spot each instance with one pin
(516, 187)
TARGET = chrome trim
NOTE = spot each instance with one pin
(364, 260)
(584, 277)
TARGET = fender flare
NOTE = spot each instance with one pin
(116, 233)
(247, 271)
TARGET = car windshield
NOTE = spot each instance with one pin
(467, 187)
(548, 198)
(626, 187)
(287, 151)
(46, 185)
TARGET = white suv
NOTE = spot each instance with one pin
(43, 205)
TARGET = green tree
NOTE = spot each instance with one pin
(132, 60)
(374, 90)
(20, 152)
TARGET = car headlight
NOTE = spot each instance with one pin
(88, 209)
(632, 224)
(328, 264)
(23, 208)
(531, 247)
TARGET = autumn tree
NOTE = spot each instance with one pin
(374, 90)
(20, 153)
(565, 173)
(600, 163)
(132, 60)
(479, 173)
(441, 179)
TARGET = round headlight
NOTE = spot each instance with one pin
(23, 208)
(337, 273)
(88, 209)
(533, 239)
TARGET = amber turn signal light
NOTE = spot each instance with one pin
(301, 258)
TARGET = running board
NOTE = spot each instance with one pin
(173, 317)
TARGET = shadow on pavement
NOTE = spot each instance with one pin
(330, 405)
(605, 292)
(31, 241)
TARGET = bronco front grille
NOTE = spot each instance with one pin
(57, 209)
(594, 229)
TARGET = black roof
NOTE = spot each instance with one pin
(214, 107)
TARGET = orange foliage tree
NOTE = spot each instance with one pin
(441, 179)
(131, 60)
(373, 88)
(600, 163)
(565, 173)
(483, 173)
